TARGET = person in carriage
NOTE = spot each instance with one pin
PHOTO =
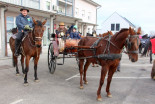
(24, 23)
(75, 34)
(61, 31)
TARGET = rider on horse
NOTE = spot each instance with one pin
(24, 23)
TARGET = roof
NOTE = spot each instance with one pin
(93, 2)
(130, 23)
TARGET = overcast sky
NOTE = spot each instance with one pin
(139, 12)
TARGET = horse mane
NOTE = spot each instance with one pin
(122, 30)
(39, 23)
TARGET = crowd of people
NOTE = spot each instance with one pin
(145, 47)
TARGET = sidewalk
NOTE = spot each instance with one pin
(44, 51)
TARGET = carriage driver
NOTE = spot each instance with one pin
(24, 23)
(61, 31)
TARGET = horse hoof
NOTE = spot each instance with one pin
(37, 81)
(17, 74)
(26, 84)
(99, 99)
(109, 96)
(154, 77)
(81, 87)
(86, 82)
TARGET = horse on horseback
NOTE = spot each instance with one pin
(30, 47)
(107, 53)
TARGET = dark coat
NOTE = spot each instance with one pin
(21, 21)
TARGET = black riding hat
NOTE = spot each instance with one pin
(23, 8)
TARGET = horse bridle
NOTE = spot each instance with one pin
(34, 40)
(129, 43)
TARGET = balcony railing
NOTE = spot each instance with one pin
(27, 3)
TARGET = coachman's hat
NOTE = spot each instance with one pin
(23, 8)
(61, 24)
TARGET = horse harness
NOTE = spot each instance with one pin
(110, 56)
(129, 43)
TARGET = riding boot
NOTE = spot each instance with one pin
(17, 45)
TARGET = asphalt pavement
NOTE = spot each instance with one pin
(132, 85)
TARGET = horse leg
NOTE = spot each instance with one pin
(81, 61)
(103, 74)
(22, 63)
(35, 69)
(15, 59)
(85, 70)
(110, 74)
(26, 69)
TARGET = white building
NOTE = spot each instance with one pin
(72, 12)
(115, 23)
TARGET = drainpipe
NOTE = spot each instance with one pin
(3, 32)
(96, 13)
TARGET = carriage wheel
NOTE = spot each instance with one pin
(51, 59)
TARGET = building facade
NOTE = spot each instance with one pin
(115, 23)
(72, 12)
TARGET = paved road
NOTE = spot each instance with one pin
(132, 85)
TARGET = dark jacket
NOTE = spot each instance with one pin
(21, 21)
(75, 35)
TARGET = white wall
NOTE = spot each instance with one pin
(113, 19)
(83, 5)
(0, 33)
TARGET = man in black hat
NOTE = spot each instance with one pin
(24, 23)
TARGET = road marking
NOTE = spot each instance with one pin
(119, 77)
(18, 101)
(141, 65)
(72, 77)
(77, 76)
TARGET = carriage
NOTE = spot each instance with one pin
(61, 48)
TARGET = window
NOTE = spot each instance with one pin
(10, 24)
(117, 27)
(89, 15)
(112, 27)
(35, 0)
(48, 5)
(61, 9)
(83, 13)
(77, 11)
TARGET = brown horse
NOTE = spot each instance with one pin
(14, 58)
(31, 47)
(105, 34)
(126, 37)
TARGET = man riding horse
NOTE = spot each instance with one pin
(24, 23)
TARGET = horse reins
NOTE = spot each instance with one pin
(129, 43)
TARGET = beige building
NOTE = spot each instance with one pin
(72, 12)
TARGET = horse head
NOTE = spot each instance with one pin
(38, 31)
(132, 44)
(14, 30)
